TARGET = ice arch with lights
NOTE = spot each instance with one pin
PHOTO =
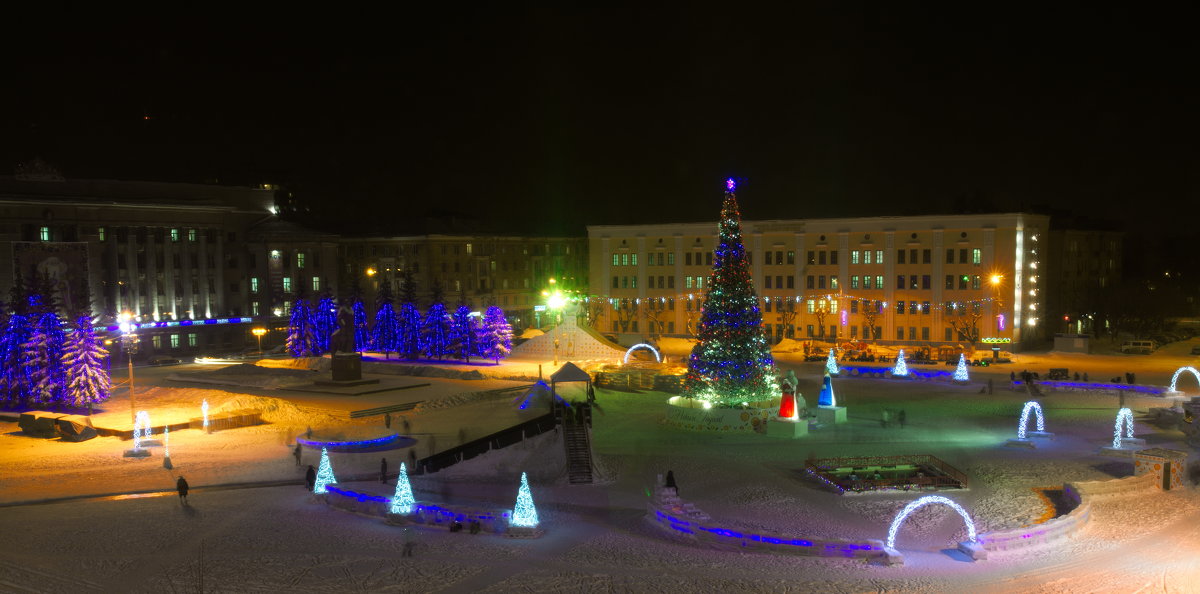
(1125, 415)
(657, 357)
(1175, 378)
(922, 502)
(1041, 419)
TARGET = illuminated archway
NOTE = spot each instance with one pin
(1175, 378)
(1125, 415)
(919, 503)
(657, 358)
(1041, 420)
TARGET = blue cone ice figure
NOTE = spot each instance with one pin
(827, 398)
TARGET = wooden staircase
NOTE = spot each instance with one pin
(579, 450)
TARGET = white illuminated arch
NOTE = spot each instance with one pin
(657, 358)
(141, 429)
(926, 500)
(1123, 415)
(1041, 420)
(1175, 377)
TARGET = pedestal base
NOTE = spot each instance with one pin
(1021, 443)
(346, 367)
(522, 532)
(973, 550)
(138, 453)
(787, 429)
(831, 415)
(151, 443)
(1125, 451)
(1133, 441)
(1040, 434)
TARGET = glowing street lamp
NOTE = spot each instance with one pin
(258, 333)
(129, 340)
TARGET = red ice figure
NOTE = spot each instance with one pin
(787, 406)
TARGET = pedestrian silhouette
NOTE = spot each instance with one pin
(383, 470)
(181, 485)
(310, 477)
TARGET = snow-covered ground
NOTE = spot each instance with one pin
(273, 538)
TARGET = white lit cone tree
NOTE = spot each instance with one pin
(324, 474)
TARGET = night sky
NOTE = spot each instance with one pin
(542, 120)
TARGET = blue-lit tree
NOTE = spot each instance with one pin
(409, 342)
(88, 381)
(43, 364)
(464, 333)
(731, 362)
(403, 501)
(325, 474)
(386, 332)
(362, 337)
(495, 335)
(301, 330)
(13, 383)
(524, 514)
(436, 331)
(324, 323)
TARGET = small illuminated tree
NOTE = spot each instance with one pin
(495, 337)
(901, 368)
(325, 475)
(831, 366)
(403, 501)
(524, 513)
(960, 372)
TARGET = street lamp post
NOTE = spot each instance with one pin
(998, 304)
(258, 333)
(129, 341)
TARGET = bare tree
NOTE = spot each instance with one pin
(787, 314)
(593, 310)
(967, 328)
(870, 313)
(627, 311)
(653, 315)
(694, 308)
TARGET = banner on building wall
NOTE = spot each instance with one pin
(63, 266)
(275, 276)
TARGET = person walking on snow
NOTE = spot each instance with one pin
(296, 453)
(310, 478)
(387, 420)
(182, 486)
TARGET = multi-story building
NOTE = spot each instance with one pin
(508, 271)
(172, 255)
(1083, 266)
(925, 280)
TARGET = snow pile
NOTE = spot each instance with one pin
(542, 457)
(275, 410)
(789, 345)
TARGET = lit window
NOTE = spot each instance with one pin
(866, 256)
(854, 257)
(254, 285)
(191, 235)
(174, 234)
(174, 341)
(44, 233)
(316, 283)
(191, 340)
(616, 260)
(254, 308)
(287, 284)
(976, 256)
(878, 280)
(633, 259)
(468, 249)
(103, 234)
(624, 259)
(300, 259)
(671, 259)
(878, 257)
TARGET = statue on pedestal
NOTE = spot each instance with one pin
(342, 339)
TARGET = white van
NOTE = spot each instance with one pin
(1143, 347)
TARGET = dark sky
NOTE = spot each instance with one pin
(549, 120)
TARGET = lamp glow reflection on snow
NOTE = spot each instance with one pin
(1041, 420)
(926, 500)
(204, 411)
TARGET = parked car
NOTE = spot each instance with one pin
(1144, 347)
(164, 361)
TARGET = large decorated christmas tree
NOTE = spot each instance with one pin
(731, 362)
